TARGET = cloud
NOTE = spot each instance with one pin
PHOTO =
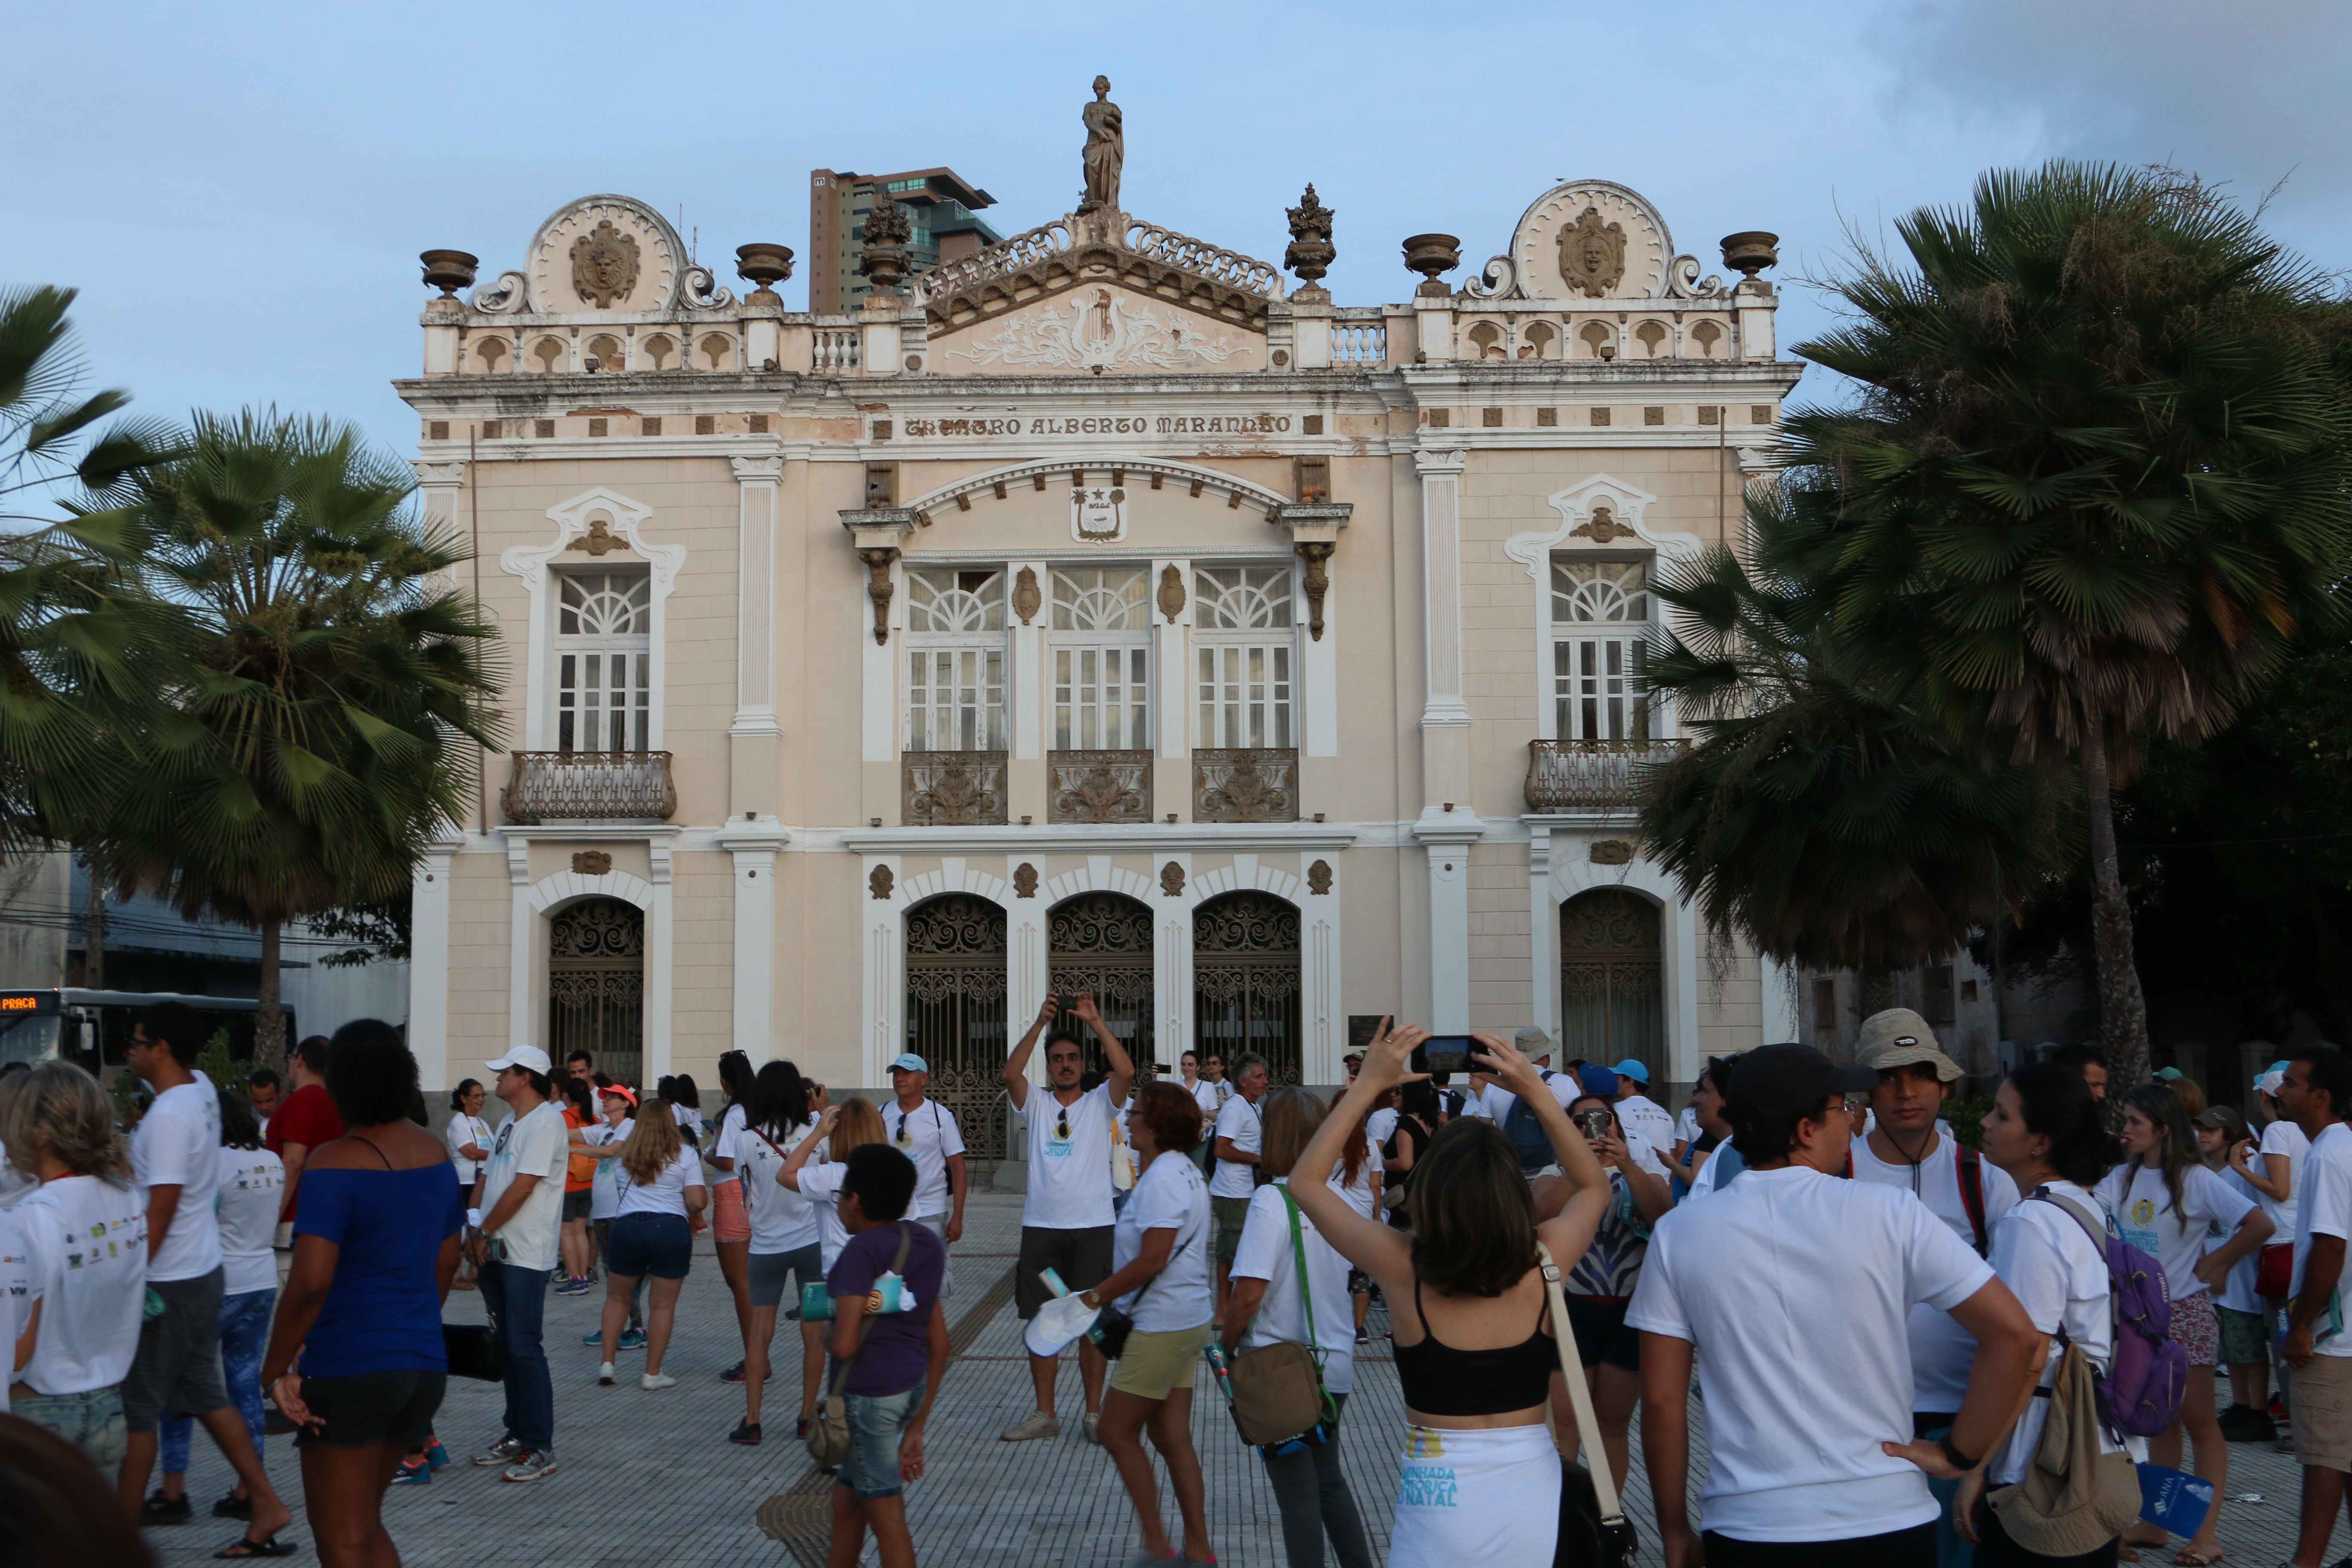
(2249, 93)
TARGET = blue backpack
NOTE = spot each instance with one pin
(1526, 1130)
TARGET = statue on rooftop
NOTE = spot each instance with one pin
(1106, 149)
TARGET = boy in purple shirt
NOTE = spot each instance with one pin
(894, 1371)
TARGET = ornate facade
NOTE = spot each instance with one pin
(1094, 611)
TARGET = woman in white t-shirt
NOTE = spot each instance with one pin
(2167, 1203)
(731, 1226)
(1268, 1307)
(2274, 1170)
(616, 1105)
(1160, 1277)
(660, 1183)
(1358, 1180)
(2046, 1130)
(785, 1257)
(252, 1191)
(85, 1238)
(819, 1161)
(468, 1137)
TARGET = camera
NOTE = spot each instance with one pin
(1443, 1054)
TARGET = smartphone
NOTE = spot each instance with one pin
(1443, 1053)
(1595, 1121)
(1066, 1004)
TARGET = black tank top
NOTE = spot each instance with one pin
(1439, 1380)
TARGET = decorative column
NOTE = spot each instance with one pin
(755, 846)
(883, 263)
(661, 956)
(753, 735)
(1543, 944)
(1446, 842)
(1315, 526)
(428, 958)
(1447, 825)
(877, 532)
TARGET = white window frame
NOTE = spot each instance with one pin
(1079, 647)
(593, 656)
(626, 523)
(979, 713)
(1243, 668)
(1596, 661)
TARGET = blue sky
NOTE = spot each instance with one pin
(240, 191)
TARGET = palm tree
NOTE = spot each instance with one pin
(313, 743)
(71, 627)
(2097, 473)
(1833, 814)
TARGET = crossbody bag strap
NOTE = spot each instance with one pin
(1580, 1398)
(1306, 1300)
(865, 1320)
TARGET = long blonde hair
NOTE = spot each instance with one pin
(859, 1124)
(58, 1106)
(653, 1143)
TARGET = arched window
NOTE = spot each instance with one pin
(1244, 643)
(1601, 641)
(604, 660)
(1613, 979)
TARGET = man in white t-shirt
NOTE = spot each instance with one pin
(519, 1209)
(1233, 1180)
(2315, 1092)
(1066, 1216)
(1209, 1097)
(1791, 1289)
(175, 1154)
(1643, 1117)
(925, 1132)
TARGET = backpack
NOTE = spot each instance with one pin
(1526, 1130)
(2139, 1394)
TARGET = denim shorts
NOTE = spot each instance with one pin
(877, 1422)
(655, 1244)
(91, 1421)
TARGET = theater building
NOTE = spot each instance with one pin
(1101, 611)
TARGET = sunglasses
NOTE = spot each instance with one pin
(906, 1139)
(1062, 1126)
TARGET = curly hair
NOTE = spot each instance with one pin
(59, 1107)
(1172, 1114)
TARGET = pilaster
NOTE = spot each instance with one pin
(753, 734)
(755, 846)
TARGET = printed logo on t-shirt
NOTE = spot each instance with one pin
(1421, 1484)
(2139, 1227)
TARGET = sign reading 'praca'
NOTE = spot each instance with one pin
(1002, 427)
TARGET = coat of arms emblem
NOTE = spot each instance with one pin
(604, 265)
(1591, 255)
(1098, 514)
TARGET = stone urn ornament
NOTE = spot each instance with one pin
(1748, 254)
(1432, 255)
(1311, 252)
(763, 266)
(449, 270)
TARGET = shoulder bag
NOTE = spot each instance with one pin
(1277, 1390)
(828, 1438)
(1593, 1529)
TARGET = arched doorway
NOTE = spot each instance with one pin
(1101, 943)
(955, 1010)
(1245, 988)
(1612, 991)
(596, 986)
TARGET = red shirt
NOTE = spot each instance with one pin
(307, 1118)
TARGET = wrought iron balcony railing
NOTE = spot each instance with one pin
(1098, 786)
(1592, 775)
(1244, 784)
(951, 789)
(558, 786)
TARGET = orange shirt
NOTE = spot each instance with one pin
(580, 1174)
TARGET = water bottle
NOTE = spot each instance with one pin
(1218, 1368)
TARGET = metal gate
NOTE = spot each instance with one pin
(596, 986)
(1101, 943)
(955, 1011)
(1613, 979)
(1246, 987)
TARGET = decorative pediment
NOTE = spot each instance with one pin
(1101, 249)
(1592, 240)
(603, 253)
(1096, 328)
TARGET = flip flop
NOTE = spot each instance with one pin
(241, 1548)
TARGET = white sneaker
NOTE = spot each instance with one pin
(1093, 1421)
(653, 1380)
(604, 1374)
(1031, 1427)
(532, 1465)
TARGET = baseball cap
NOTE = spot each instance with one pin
(1352, 1056)
(1597, 1080)
(1533, 1043)
(1791, 1078)
(2223, 1118)
(1899, 1037)
(529, 1057)
(2169, 1075)
(2271, 1082)
(909, 1062)
(1630, 1068)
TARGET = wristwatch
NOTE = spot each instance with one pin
(1089, 1298)
(1959, 1461)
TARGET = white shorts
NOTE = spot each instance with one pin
(1486, 1495)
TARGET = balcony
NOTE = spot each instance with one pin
(1098, 786)
(1235, 784)
(1592, 775)
(601, 786)
(951, 789)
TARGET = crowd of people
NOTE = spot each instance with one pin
(1911, 1347)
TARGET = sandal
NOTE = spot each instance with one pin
(2186, 1558)
(241, 1548)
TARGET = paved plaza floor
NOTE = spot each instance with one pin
(649, 1479)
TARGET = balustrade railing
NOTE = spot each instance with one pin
(953, 789)
(1592, 775)
(1246, 784)
(558, 786)
(1360, 343)
(1098, 786)
(836, 349)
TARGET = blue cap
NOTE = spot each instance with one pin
(910, 1062)
(1600, 1080)
(2169, 1075)
(1630, 1068)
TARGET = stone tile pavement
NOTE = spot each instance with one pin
(649, 1479)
